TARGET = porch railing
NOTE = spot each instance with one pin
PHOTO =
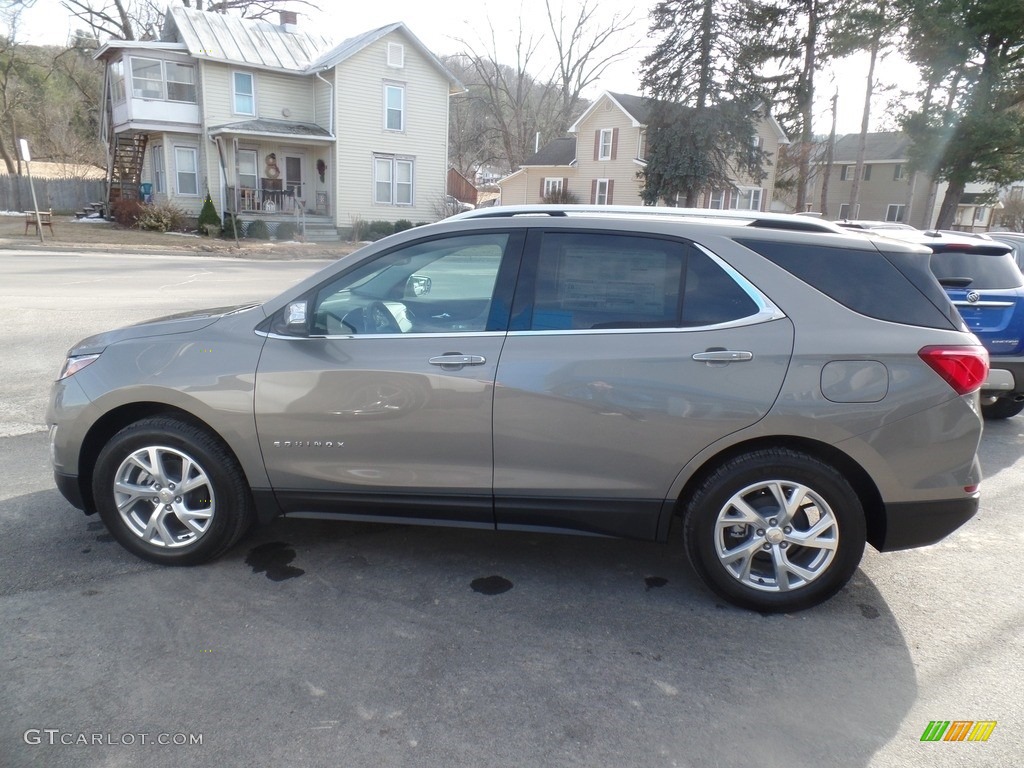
(266, 200)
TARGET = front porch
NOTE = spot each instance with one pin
(278, 216)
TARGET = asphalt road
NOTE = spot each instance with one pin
(314, 644)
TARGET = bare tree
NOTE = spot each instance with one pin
(141, 19)
(587, 43)
(522, 98)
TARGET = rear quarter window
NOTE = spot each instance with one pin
(987, 272)
(865, 281)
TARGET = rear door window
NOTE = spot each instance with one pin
(597, 281)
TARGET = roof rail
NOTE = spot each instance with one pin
(745, 218)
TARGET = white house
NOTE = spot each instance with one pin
(273, 120)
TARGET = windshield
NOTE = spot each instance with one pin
(987, 272)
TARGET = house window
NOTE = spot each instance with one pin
(980, 214)
(244, 93)
(717, 199)
(117, 81)
(552, 186)
(247, 170)
(866, 173)
(604, 151)
(640, 139)
(846, 173)
(746, 199)
(156, 79)
(895, 212)
(603, 192)
(159, 174)
(396, 55)
(392, 180)
(898, 172)
(147, 79)
(844, 211)
(181, 82)
(186, 168)
(394, 107)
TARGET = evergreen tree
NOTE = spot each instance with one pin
(702, 118)
(970, 126)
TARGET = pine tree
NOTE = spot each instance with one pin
(702, 118)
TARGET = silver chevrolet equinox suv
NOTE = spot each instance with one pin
(781, 389)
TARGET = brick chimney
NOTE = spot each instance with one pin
(289, 19)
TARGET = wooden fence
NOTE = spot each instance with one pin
(60, 195)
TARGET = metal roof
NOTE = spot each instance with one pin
(258, 44)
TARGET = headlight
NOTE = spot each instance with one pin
(76, 363)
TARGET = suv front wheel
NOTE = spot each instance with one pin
(170, 492)
(775, 530)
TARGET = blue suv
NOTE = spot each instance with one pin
(986, 285)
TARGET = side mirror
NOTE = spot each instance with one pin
(296, 317)
(418, 285)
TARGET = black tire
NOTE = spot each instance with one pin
(1002, 408)
(747, 574)
(192, 504)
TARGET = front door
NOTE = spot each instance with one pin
(293, 184)
(384, 407)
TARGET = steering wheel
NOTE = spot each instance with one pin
(379, 319)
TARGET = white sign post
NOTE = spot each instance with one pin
(27, 157)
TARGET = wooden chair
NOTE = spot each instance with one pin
(45, 219)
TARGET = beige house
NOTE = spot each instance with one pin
(277, 122)
(889, 191)
(600, 163)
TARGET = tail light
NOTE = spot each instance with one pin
(963, 368)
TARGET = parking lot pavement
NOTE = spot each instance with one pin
(314, 644)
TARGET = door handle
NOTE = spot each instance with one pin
(456, 360)
(723, 356)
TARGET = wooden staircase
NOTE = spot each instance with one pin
(128, 151)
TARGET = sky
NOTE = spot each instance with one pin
(442, 26)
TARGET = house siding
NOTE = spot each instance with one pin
(622, 169)
(359, 117)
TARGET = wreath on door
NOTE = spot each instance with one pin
(321, 168)
(272, 171)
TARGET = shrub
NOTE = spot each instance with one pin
(561, 197)
(358, 229)
(231, 223)
(209, 221)
(286, 231)
(162, 217)
(126, 212)
(378, 228)
(402, 224)
(258, 230)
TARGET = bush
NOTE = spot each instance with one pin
(286, 230)
(561, 197)
(358, 229)
(379, 228)
(258, 230)
(209, 221)
(126, 212)
(402, 224)
(162, 217)
(230, 225)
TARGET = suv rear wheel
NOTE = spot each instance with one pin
(171, 493)
(775, 530)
